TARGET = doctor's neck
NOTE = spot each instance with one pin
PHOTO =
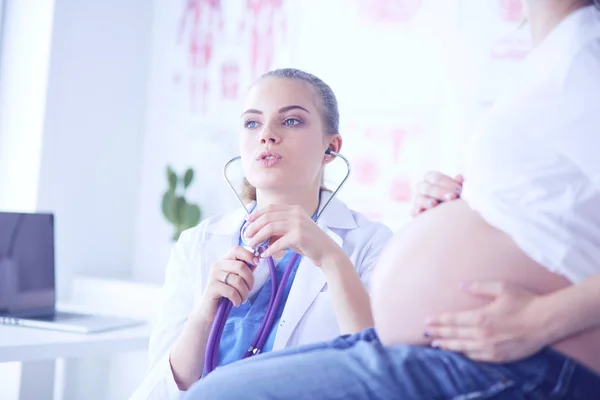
(307, 198)
(544, 15)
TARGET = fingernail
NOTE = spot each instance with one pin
(247, 218)
(449, 196)
(256, 260)
(431, 203)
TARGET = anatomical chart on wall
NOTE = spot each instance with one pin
(389, 11)
(389, 97)
(389, 155)
(222, 48)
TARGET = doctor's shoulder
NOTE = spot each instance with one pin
(366, 241)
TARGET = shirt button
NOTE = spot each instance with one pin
(282, 323)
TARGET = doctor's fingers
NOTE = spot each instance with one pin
(237, 295)
(273, 230)
(227, 271)
(266, 219)
(241, 254)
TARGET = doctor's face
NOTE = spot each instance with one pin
(283, 139)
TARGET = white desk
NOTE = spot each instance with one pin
(38, 349)
(31, 344)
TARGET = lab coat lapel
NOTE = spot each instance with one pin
(223, 235)
(309, 280)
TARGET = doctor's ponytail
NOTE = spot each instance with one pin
(329, 111)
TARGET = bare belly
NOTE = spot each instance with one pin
(435, 254)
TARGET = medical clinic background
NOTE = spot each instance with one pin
(99, 98)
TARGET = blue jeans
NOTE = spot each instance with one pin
(360, 367)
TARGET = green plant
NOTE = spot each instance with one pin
(175, 208)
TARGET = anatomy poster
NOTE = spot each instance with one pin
(389, 11)
(389, 155)
(410, 76)
(222, 48)
(199, 33)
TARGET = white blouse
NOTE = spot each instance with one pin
(533, 171)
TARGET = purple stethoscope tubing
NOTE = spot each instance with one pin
(211, 359)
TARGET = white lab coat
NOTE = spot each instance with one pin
(308, 315)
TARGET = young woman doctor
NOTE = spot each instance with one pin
(290, 119)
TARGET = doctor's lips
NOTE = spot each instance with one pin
(269, 158)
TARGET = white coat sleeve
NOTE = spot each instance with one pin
(175, 305)
(578, 137)
(379, 236)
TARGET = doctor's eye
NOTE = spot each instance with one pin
(291, 122)
(251, 124)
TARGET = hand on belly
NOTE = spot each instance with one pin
(421, 272)
(510, 328)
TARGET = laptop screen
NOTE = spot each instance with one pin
(27, 285)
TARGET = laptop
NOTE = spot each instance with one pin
(27, 279)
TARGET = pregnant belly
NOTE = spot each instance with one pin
(421, 272)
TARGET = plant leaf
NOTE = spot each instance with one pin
(180, 210)
(168, 206)
(172, 178)
(192, 215)
(188, 178)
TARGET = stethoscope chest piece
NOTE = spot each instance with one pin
(246, 241)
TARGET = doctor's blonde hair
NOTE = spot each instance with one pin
(329, 111)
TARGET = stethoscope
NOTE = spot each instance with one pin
(211, 358)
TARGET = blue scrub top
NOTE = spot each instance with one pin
(244, 321)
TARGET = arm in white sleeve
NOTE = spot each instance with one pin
(372, 253)
(176, 303)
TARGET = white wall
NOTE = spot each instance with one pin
(25, 48)
(94, 132)
(72, 106)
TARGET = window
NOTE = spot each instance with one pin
(2, 5)
(1, 18)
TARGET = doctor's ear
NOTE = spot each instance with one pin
(335, 145)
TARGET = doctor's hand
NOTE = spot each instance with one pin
(435, 189)
(508, 329)
(229, 277)
(289, 227)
